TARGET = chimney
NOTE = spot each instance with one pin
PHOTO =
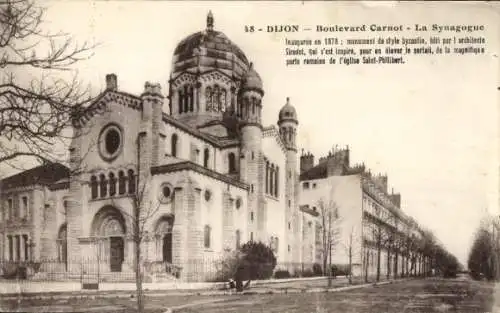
(111, 82)
(396, 199)
(306, 162)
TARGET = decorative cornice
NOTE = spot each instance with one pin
(99, 105)
(306, 209)
(198, 134)
(272, 131)
(190, 166)
(59, 186)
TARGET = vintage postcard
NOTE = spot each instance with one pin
(249, 156)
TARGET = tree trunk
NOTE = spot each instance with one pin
(350, 264)
(138, 277)
(379, 248)
(367, 259)
(396, 257)
(388, 274)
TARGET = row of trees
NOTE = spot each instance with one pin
(415, 247)
(484, 255)
(418, 249)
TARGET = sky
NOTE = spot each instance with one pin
(430, 124)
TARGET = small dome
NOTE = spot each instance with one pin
(252, 80)
(288, 112)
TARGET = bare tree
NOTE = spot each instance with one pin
(39, 89)
(143, 211)
(330, 231)
(351, 245)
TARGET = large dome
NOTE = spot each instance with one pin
(214, 48)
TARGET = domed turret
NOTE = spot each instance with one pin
(252, 81)
(287, 124)
(287, 112)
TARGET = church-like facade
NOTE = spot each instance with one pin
(196, 160)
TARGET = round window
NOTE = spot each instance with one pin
(208, 195)
(166, 192)
(110, 142)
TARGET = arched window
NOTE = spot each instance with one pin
(131, 182)
(276, 181)
(174, 145)
(223, 100)
(181, 101)
(62, 239)
(276, 242)
(93, 187)
(191, 99)
(121, 182)
(253, 105)
(238, 239)
(186, 99)
(216, 99)
(232, 162)
(207, 231)
(208, 98)
(271, 180)
(267, 176)
(206, 156)
(103, 186)
(112, 184)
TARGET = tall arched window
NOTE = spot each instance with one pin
(181, 101)
(232, 162)
(207, 231)
(131, 182)
(223, 99)
(276, 181)
(186, 99)
(208, 98)
(267, 176)
(112, 184)
(191, 99)
(174, 145)
(121, 182)
(62, 241)
(271, 180)
(216, 99)
(206, 156)
(103, 184)
(238, 239)
(93, 187)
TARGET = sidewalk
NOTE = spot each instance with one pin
(24, 290)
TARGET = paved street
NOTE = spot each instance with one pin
(432, 295)
(412, 296)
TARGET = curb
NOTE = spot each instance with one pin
(117, 294)
(288, 291)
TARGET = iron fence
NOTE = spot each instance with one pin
(205, 270)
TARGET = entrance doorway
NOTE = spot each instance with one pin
(116, 253)
(163, 235)
(167, 248)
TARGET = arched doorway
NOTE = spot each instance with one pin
(62, 245)
(109, 227)
(163, 235)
